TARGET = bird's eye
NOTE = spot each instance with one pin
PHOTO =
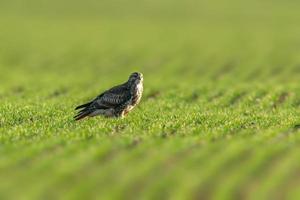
(135, 75)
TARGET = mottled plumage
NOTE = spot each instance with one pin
(115, 102)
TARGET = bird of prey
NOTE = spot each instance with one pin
(115, 102)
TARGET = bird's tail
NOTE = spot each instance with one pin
(83, 105)
(82, 114)
(86, 111)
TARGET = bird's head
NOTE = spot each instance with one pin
(135, 78)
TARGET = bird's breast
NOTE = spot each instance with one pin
(137, 94)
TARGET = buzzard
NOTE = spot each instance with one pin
(115, 102)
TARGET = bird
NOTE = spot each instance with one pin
(115, 102)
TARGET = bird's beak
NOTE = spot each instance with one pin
(141, 77)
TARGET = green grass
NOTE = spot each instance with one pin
(220, 115)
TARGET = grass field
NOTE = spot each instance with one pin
(220, 115)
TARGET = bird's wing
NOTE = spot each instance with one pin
(108, 99)
(112, 97)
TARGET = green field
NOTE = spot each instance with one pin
(219, 118)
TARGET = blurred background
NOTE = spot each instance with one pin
(220, 110)
(200, 40)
